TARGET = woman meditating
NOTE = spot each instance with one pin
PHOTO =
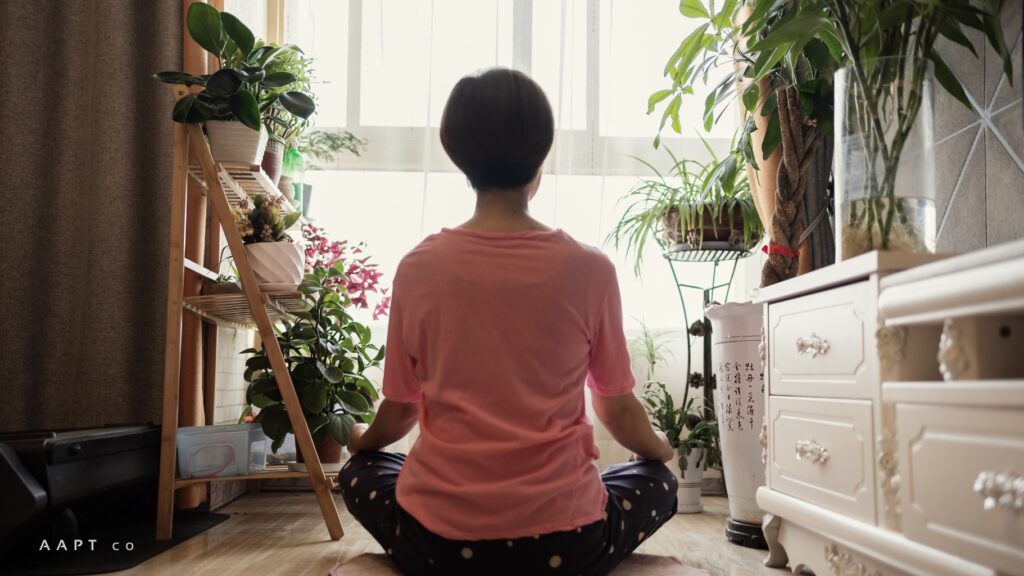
(495, 327)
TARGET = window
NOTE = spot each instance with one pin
(385, 68)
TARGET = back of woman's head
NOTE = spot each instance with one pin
(497, 127)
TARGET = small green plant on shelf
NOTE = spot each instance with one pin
(246, 88)
(265, 221)
(328, 354)
(692, 203)
(685, 426)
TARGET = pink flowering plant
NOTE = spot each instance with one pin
(361, 279)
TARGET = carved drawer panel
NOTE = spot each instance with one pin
(962, 487)
(823, 344)
(821, 452)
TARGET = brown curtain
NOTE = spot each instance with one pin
(85, 135)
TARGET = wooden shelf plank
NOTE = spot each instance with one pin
(233, 308)
(272, 473)
(199, 269)
(241, 182)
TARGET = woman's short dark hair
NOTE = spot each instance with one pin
(497, 127)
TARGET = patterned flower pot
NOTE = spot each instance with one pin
(690, 482)
(276, 263)
(272, 158)
(235, 143)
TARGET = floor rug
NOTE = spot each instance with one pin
(634, 565)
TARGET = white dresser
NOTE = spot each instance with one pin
(876, 463)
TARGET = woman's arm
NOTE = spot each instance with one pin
(625, 419)
(393, 421)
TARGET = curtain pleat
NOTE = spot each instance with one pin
(86, 140)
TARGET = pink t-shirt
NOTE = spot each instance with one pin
(494, 334)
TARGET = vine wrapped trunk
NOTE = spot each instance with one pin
(799, 143)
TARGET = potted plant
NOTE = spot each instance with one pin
(234, 99)
(284, 126)
(696, 205)
(320, 145)
(276, 260)
(781, 144)
(362, 276)
(328, 354)
(693, 436)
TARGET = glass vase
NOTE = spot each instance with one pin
(884, 160)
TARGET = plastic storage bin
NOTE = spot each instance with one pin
(213, 451)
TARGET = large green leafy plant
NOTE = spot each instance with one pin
(328, 354)
(685, 426)
(247, 88)
(676, 206)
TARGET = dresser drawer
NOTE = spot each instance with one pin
(821, 452)
(950, 458)
(823, 344)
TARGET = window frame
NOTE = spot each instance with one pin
(576, 151)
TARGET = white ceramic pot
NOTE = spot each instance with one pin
(276, 263)
(690, 483)
(232, 142)
(735, 336)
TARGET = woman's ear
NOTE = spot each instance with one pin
(534, 184)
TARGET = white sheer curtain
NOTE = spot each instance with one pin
(387, 66)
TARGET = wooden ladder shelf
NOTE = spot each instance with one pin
(251, 307)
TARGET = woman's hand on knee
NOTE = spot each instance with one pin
(355, 436)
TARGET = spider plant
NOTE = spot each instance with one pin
(652, 347)
(678, 207)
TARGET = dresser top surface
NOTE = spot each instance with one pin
(845, 272)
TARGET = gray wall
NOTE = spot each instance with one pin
(979, 154)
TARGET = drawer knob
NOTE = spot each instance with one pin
(811, 450)
(812, 345)
(1000, 490)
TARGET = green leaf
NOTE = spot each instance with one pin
(948, 80)
(797, 31)
(772, 136)
(244, 108)
(951, 29)
(353, 402)
(657, 97)
(205, 27)
(339, 426)
(188, 110)
(274, 421)
(994, 32)
(298, 104)
(185, 78)
(693, 9)
(278, 79)
(751, 95)
(239, 32)
(313, 398)
(223, 82)
(333, 374)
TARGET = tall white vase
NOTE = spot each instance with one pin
(735, 336)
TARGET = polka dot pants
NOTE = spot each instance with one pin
(641, 498)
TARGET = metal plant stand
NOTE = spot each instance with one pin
(741, 533)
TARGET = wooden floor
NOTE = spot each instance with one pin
(283, 534)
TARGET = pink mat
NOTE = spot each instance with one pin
(634, 565)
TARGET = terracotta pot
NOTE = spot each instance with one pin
(276, 262)
(272, 158)
(328, 450)
(727, 227)
(235, 143)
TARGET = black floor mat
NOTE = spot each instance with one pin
(101, 557)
